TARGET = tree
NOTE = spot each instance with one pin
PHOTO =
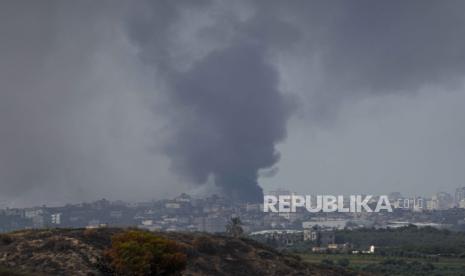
(234, 228)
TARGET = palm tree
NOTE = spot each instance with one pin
(234, 228)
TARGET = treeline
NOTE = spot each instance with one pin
(405, 241)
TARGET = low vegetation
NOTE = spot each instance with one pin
(116, 251)
(382, 265)
(143, 253)
(402, 251)
(410, 241)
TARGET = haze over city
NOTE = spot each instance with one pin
(148, 99)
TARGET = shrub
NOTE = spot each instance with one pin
(205, 245)
(142, 253)
(57, 245)
(327, 262)
(5, 239)
(99, 237)
(343, 262)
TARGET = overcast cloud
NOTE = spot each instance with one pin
(147, 99)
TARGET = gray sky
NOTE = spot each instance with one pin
(146, 99)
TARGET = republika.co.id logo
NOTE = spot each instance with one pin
(326, 203)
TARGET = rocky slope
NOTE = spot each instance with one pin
(80, 252)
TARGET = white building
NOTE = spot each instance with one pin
(325, 223)
(56, 218)
(462, 204)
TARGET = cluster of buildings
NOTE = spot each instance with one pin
(442, 210)
(439, 201)
(318, 239)
(211, 214)
(182, 213)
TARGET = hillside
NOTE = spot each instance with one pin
(82, 252)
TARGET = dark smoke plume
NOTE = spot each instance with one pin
(226, 112)
(92, 91)
(230, 114)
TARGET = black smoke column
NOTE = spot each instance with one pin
(230, 114)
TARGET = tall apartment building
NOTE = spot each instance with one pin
(459, 195)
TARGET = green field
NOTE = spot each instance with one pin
(381, 265)
(407, 250)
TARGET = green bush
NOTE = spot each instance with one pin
(142, 253)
